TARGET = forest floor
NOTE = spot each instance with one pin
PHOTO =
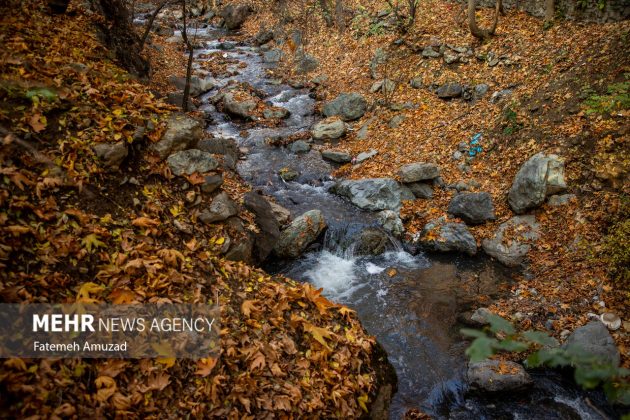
(70, 230)
(561, 79)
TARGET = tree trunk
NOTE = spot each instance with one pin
(550, 11)
(475, 30)
(339, 14)
(150, 23)
(186, 93)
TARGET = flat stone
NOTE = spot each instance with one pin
(421, 190)
(336, 156)
(329, 129)
(593, 339)
(303, 231)
(221, 208)
(190, 161)
(419, 171)
(373, 194)
(497, 376)
(181, 133)
(472, 208)
(443, 236)
(513, 252)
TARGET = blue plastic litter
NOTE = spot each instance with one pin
(475, 148)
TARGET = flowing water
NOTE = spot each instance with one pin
(409, 302)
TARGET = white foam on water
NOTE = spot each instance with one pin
(334, 273)
(372, 268)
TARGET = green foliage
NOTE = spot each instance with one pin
(589, 371)
(512, 125)
(616, 98)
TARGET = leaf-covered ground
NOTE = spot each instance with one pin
(70, 231)
(556, 75)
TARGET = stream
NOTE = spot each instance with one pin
(410, 303)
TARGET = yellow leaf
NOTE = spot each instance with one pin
(220, 241)
(318, 334)
(87, 289)
(362, 400)
(91, 242)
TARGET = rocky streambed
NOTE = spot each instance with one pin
(343, 235)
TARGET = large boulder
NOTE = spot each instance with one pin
(302, 232)
(221, 208)
(593, 340)
(226, 146)
(329, 129)
(390, 221)
(472, 208)
(419, 171)
(497, 376)
(269, 227)
(348, 106)
(111, 154)
(187, 162)
(371, 241)
(542, 175)
(235, 15)
(512, 251)
(182, 132)
(239, 104)
(373, 194)
(443, 236)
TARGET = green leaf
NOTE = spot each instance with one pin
(41, 92)
(498, 324)
(512, 345)
(539, 337)
(481, 348)
(473, 333)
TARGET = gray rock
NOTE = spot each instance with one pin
(277, 112)
(262, 37)
(329, 129)
(241, 248)
(480, 90)
(187, 162)
(497, 376)
(472, 208)
(373, 194)
(419, 171)
(450, 57)
(198, 85)
(371, 241)
(380, 57)
(363, 156)
(288, 174)
(421, 190)
(450, 90)
(429, 52)
(281, 214)
(272, 56)
(500, 95)
(177, 99)
(181, 133)
(416, 82)
(513, 252)
(302, 232)
(300, 146)
(235, 15)
(385, 86)
(269, 228)
(396, 121)
(337, 156)
(441, 236)
(480, 316)
(362, 134)
(348, 106)
(540, 176)
(242, 107)
(560, 200)
(390, 221)
(306, 63)
(227, 147)
(457, 155)
(211, 183)
(462, 146)
(221, 208)
(111, 154)
(593, 340)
